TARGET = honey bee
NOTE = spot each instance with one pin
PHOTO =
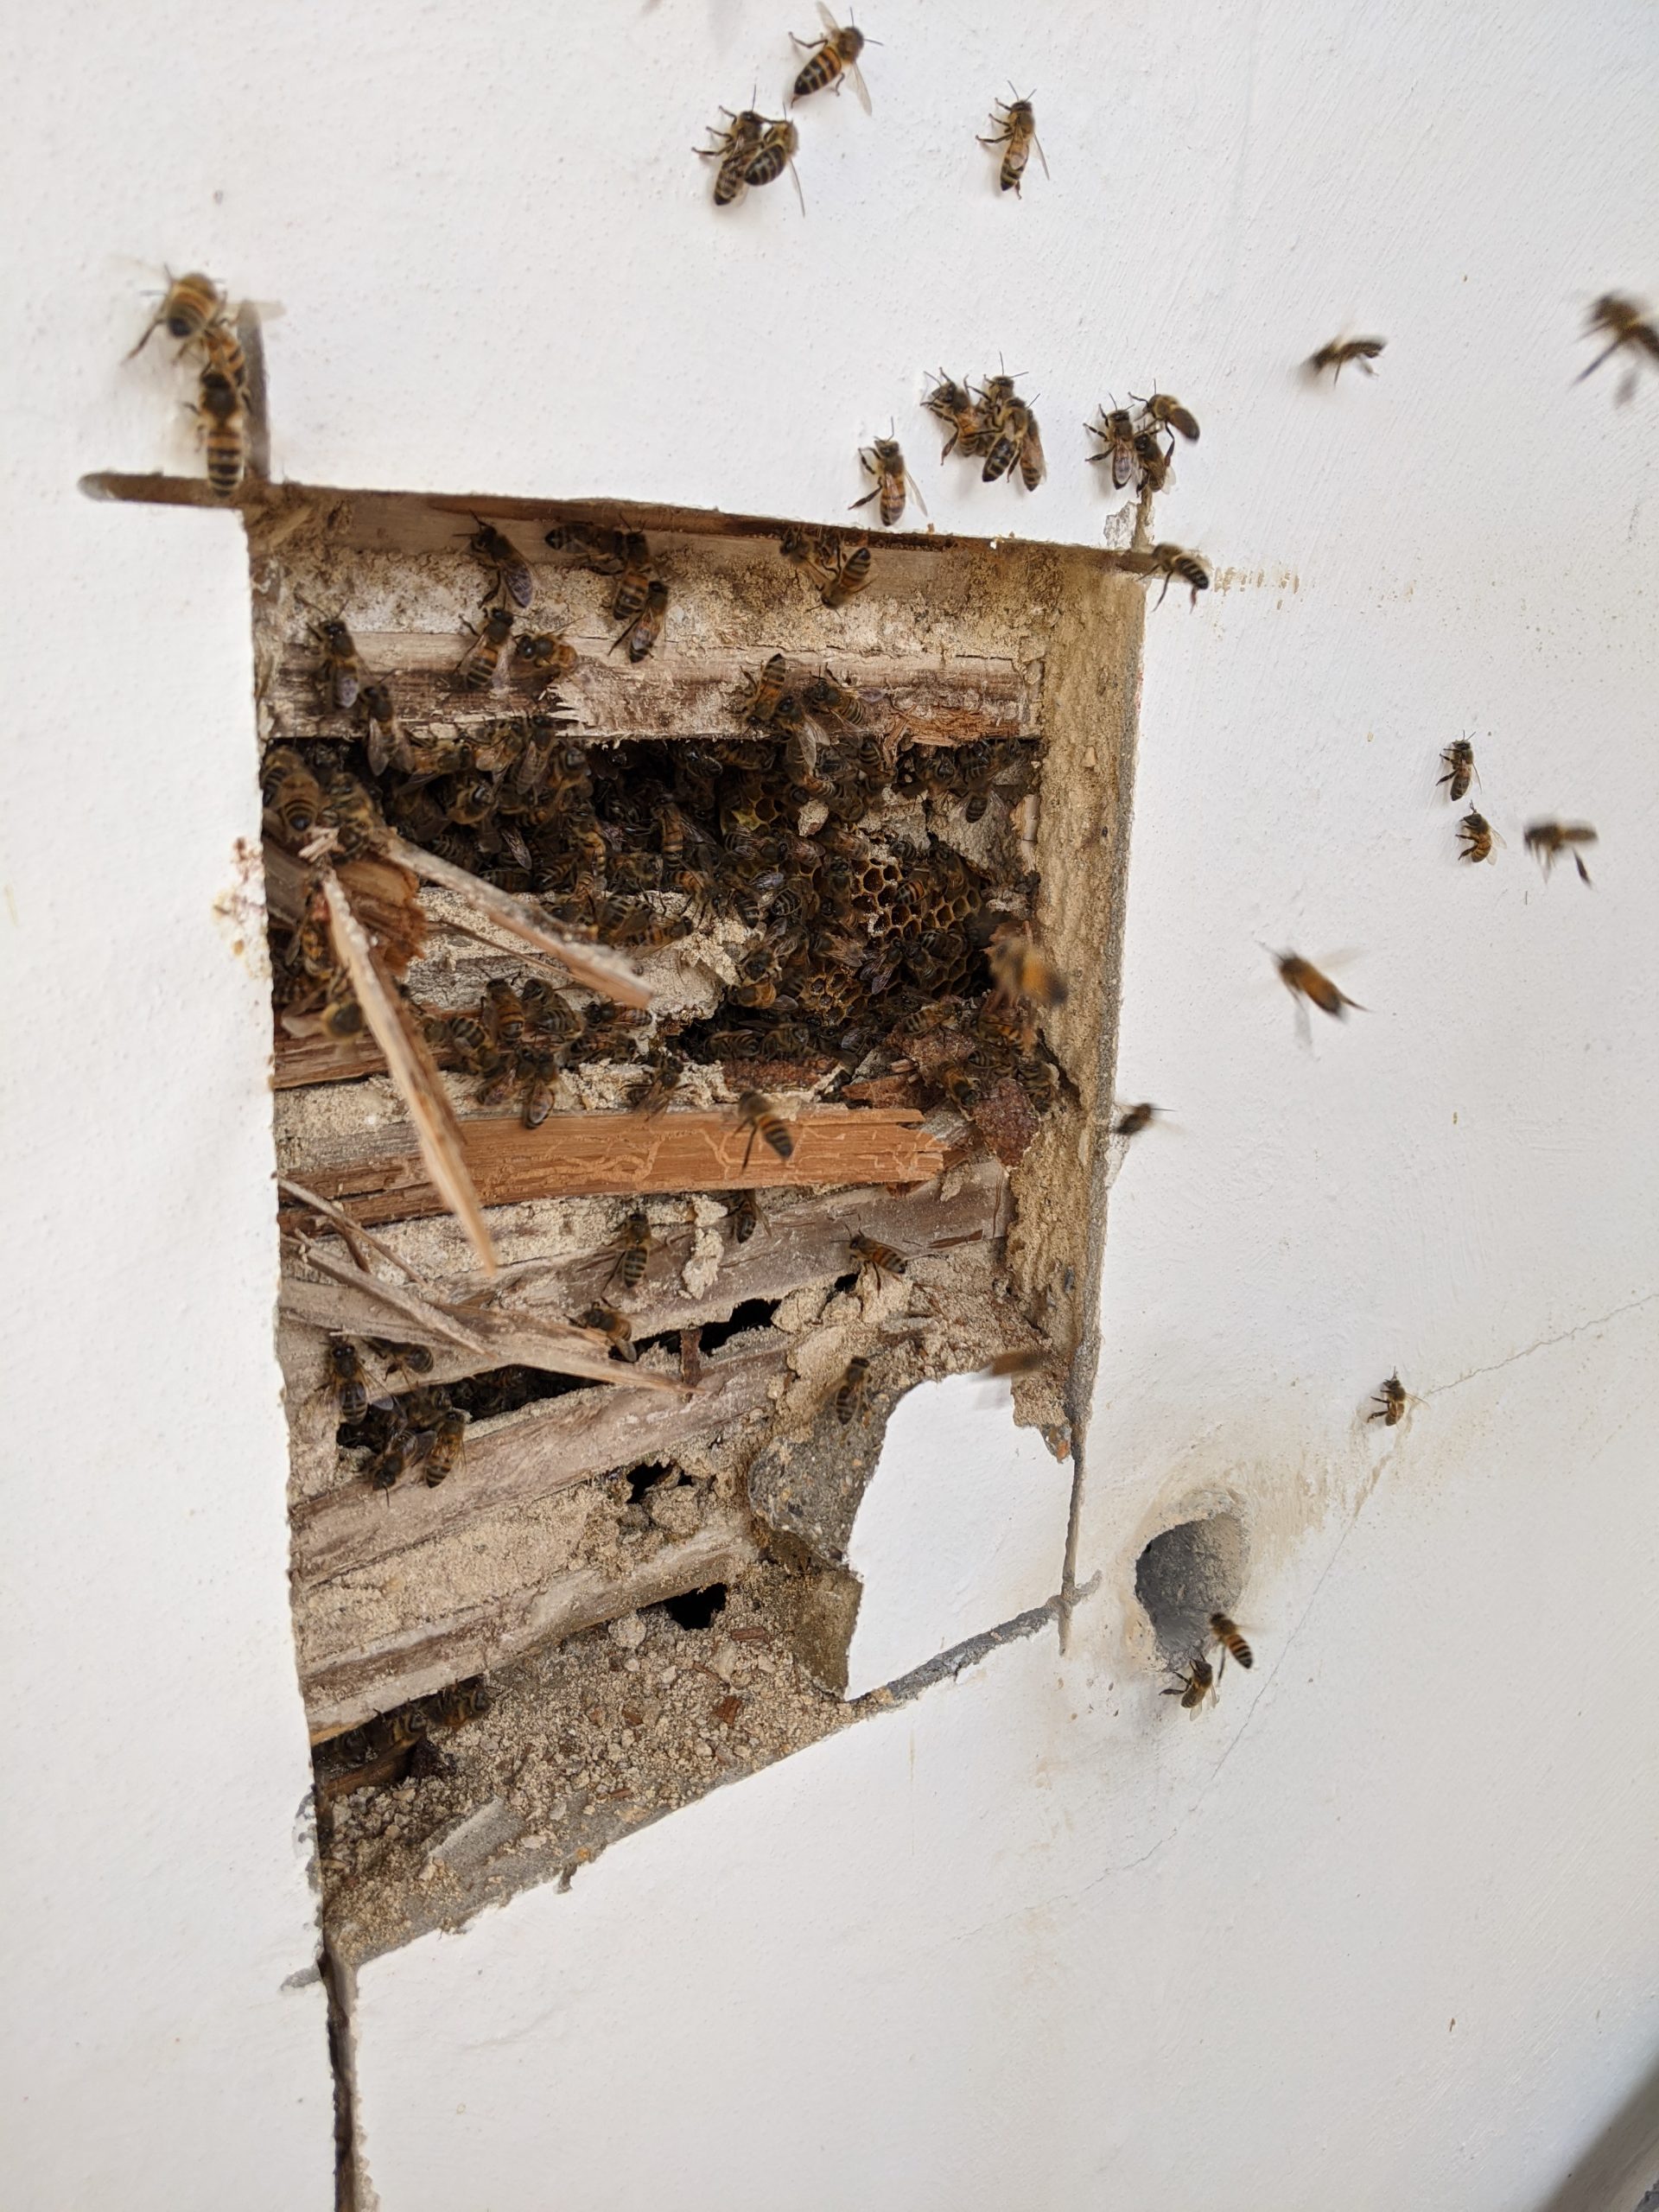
(479, 666)
(1390, 1401)
(595, 545)
(190, 305)
(413, 1359)
(1304, 982)
(955, 404)
(744, 1214)
(340, 670)
(1115, 431)
(610, 1324)
(1169, 561)
(779, 143)
(1226, 1634)
(222, 350)
(853, 1398)
(292, 792)
(385, 740)
(1016, 129)
(642, 633)
(759, 1115)
(1340, 352)
(540, 1069)
(852, 574)
(1549, 840)
(222, 423)
(633, 1256)
(349, 811)
(545, 652)
(1013, 429)
(1152, 461)
(1476, 833)
(814, 550)
(1459, 761)
(503, 1010)
(1137, 1118)
(733, 148)
(1022, 971)
(886, 462)
(509, 570)
(1621, 322)
(831, 700)
(664, 1071)
(1170, 416)
(834, 58)
(758, 698)
(1195, 1685)
(341, 1016)
(634, 582)
(959, 1088)
(444, 1452)
(1035, 1076)
(405, 1449)
(346, 1373)
(880, 1259)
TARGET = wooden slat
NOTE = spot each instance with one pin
(433, 1651)
(377, 1176)
(528, 1455)
(680, 693)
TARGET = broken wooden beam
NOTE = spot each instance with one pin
(679, 693)
(377, 1176)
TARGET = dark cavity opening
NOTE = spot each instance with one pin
(753, 1313)
(642, 1478)
(697, 1608)
(1193, 1570)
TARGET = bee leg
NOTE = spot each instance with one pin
(865, 501)
(1606, 354)
(1584, 873)
(1160, 599)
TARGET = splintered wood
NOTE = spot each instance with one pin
(379, 1178)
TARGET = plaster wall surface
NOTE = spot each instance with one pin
(1378, 1929)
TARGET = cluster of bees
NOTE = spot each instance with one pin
(1546, 840)
(992, 422)
(412, 1728)
(195, 312)
(1202, 1679)
(420, 1427)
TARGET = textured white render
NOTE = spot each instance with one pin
(1380, 1930)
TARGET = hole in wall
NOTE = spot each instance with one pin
(1191, 1571)
(695, 1609)
(646, 1476)
(753, 1313)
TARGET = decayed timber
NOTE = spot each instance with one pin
(797, 1246)
(525, 1456)
(678, 693)
(431, 1651)
(376, 1175)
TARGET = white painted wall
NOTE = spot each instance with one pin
(1038, 1935)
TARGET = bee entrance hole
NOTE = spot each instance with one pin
(695, 1609)
(1191, 1571)
(645, 1478)
(753, 1313)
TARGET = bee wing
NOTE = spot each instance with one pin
(915, 492)
(860, 87)
(1041, 155)
(831, 28)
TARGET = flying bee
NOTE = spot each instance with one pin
(852, 574)
(546, 652)
(448, 1441)
(1170, 416)
(1137, 1118)
(1015, 123)
(1022, 971)
(1477, 834)
(757, 697)
(189, 306)
(610, 1324)
(759, 1115)
(1226, 1634)
(1171, 562)
(1151, 460)
(341, 670)
(955, 404)
(886, 462)
(1115, 431)
(1459, 761)
(1390, 1402)
(509, 570)
(834, 58)
(732, 150)
(1195, 1685)
(222, 423)
(880, 1259)
(292, 792)
(479, 666)
(634, 1249)
(346, 1373)
(1304, 983)
(642, 633)
(853, 1398)
(634, 582)
(1549, 840)
(1341, 351)
(1621, 322)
